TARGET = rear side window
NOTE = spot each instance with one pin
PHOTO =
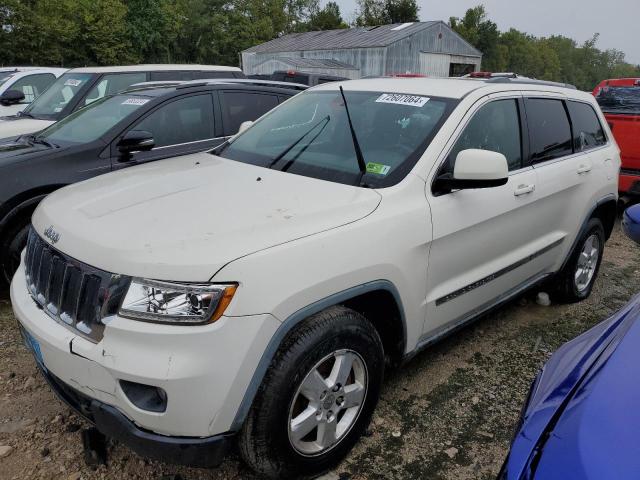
(241, 107)
(587, 130)
(549, 129)
(189, 119)
(495, 127)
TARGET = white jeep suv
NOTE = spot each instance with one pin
(253, 295)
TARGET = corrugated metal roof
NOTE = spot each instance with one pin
(360, 37)
(300, 62)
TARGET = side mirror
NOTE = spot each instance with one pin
(244, 126)
(136, 141)
(11, 97)
(475, 169)
(631, 223)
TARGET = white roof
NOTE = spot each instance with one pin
(440, 87)
(160, 67)
(32, 69)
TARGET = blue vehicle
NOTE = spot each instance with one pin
(582, 417)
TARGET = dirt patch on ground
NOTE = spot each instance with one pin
(448, 414)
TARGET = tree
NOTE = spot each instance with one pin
(401, 11)
(327, 18)
(483, 34)
(370, 13)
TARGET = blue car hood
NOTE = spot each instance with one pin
(583, 417)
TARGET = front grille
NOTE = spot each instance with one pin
(71, 292)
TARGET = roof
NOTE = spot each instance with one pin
(157, 67)
(32, 69)
(299, 62)
(359, 37)
(444, 87)
(156, 89)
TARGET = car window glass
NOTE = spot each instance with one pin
(549, 129)
(33, 85)
(58, 95)
(309, 135)
(495, 127)
(112, 84)
(244, 106)
(90, 123)
(587, 130)
(189, 119)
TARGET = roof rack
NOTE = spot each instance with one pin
(531, 81)
(244, 81)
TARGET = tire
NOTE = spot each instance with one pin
(568, 287)
(11, 249)
(268, 442)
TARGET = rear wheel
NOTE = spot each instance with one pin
(575, 282)
(317, 397)
(11, 248)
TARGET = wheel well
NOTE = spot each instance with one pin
(607, 213)
(381, 309)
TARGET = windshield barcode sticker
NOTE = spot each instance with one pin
(135, 101)
(400, 99)
(72, 82)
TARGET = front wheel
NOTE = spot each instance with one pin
(11, 249)
(576, 280)
(317, 397)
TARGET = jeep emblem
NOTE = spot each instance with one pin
(52, 235)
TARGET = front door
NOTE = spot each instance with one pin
(483, 239)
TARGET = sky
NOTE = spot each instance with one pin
(615, 20)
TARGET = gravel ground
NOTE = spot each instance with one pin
(448, 414)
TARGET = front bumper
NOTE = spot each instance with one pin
(197, 452)
(204, 370)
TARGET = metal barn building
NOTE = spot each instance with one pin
(428, 48)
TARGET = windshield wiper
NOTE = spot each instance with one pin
(42, 141)
(22, 113)
(361, 163)
(293, 145)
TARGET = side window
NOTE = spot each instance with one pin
(549, 129)
(170, 75)
(189, 119)
(33, 85)
(587, 130)
(495, 127)
(240, 107)
(112, 84)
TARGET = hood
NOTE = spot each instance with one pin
(18, 149)
(12, 127)
(598, 435)
(185, 218)
(565, 385)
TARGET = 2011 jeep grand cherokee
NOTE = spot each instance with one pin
(254, 295)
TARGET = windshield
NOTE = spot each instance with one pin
(4, 76)
(55, 98)
(309, 135)
(620, 100)
(93, 121)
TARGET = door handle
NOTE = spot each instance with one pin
(524, 189)
(584, 168)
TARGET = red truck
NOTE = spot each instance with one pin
(619, 99)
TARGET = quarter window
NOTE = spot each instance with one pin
(495, 127)
(241, 107)
(587, 130)
(189, 119)
(549, 129)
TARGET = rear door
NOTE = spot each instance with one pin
(179, 126)
(566, 171)
(483, 239)
(244, 105)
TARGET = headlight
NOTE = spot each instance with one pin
(177, 303)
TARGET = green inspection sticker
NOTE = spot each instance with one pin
(378, 168)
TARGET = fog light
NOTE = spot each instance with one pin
(145, 397)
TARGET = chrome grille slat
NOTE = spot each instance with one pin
(72, 293)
